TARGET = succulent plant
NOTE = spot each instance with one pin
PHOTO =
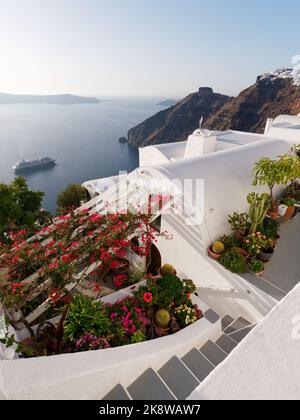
(259, 206)
(162, 318)
(167, 270)
(218, 247)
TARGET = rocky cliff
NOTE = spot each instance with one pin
(177, 122)
(272, 94)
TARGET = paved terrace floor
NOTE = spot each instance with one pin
(282, 273)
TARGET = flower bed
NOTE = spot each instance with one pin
(80, 254)
(160, 306)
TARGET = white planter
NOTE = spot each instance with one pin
(282, 210)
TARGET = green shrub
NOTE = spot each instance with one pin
(230, 242)
(72, 196)
(87, 316)
(256, 266)
(233, 261)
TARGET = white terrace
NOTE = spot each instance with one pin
(173, 367)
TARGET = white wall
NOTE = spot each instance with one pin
(266, 364)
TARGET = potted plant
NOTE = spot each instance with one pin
(256, 267)
(233, 261)
(270, 172)
(267, 250)
(167, 270)
(161, 322)
(270, 229)
(260, 204)
(254, 243)
(216, 250)
(289, 203)
(239, 223)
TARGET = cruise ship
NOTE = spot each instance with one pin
(30, 165)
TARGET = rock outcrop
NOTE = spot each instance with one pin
(177, 122)
(273, 94)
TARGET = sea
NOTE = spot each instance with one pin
(83, 138)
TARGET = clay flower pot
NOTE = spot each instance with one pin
(213, 254)
(242, 251)
(273, 213)
(289, 213)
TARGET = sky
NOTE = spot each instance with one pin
(164, 48)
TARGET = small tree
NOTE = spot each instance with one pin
(72, 196)
(290, 163)
(269, 172)
(19, 206)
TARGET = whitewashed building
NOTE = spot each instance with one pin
(204, 179)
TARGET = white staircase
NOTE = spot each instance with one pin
(179, 377)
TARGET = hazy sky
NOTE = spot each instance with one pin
(143, 47)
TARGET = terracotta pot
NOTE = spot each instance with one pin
(273, 213)
(213, 255)
(289, 213)
(159, 331)
(242, 252)
(239, 236)
(260, 273)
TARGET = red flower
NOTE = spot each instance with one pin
(148, 297)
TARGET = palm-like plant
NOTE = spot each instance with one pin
(269, 172)
(290, 164)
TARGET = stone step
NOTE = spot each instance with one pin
(117, 393)
(239, 335)
(238, 324)
(211, 316)
(213, 353)
(178, 378)
(198, 364)
(149, 387)
(226, 343)
(226, 321)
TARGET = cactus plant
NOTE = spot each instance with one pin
(218, 247)
(162, 318)
(259, 206)
(167, 270)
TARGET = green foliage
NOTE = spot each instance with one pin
(260, 204)
(86, 316)
(290, 202)
(269, 172)
(233, 261)
(71, 196)
(165, 291)
(239, 222)
(19, 206)
(270, 228)
(230, 242)
(256, 266)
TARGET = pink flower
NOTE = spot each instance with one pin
(53, 266)
(148, 297)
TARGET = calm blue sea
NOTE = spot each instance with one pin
(83, 138)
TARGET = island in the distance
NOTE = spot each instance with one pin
(167, 102)
(62, 99)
